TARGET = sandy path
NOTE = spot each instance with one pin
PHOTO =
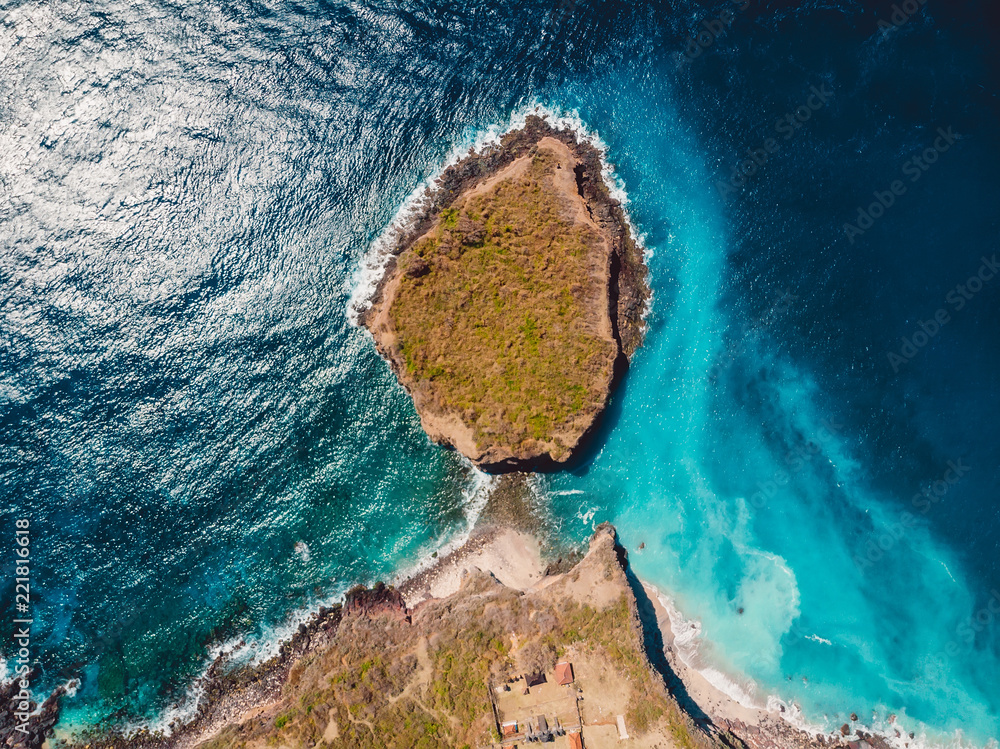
(511, 556)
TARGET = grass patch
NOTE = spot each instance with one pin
(498, 311)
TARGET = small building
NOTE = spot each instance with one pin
(575, 740)
(533, 680)
(622, 733)
(509, 728)
(564, 673)
(543, 725)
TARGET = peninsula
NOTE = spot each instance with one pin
(494, 647)
(501, 643)
(514, 301)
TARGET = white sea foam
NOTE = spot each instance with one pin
(688, 641)
(586, 514)
(376, 259)
(252, 651)
(475, 495)
(187, 707)
(7, 676)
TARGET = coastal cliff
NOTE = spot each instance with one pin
(488, 640)
(513, 303)
(449, 672)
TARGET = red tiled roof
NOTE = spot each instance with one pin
(564, 673)
(575, 740)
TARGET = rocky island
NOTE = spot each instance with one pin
(514, 301)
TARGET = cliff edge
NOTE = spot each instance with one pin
(514, 302)
(577, 653)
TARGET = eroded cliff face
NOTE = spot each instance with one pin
(423, 678)
(514, 303)
(376, 673)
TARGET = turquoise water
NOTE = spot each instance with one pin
(738, 473)
(741, 466)
(206, 446)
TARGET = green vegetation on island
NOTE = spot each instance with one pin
(494, 307)
(510, 313)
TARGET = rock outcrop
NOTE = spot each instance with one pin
(514, 302)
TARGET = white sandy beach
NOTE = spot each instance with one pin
(512, 557)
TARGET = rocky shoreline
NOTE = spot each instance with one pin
(241, 694)
(31, 733)
(624, 274)
(251, 696)
(633, 292)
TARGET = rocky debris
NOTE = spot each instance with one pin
(512, 504)
(780, 735)
(418, 268)
(380, 599)
(473, 232)
(869, 741)
(562, 564)
(777, 735)
(31, 733)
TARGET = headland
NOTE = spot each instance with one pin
(499, 641)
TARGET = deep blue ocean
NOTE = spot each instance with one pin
(808, 445)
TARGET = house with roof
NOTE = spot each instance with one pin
(564, 673)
